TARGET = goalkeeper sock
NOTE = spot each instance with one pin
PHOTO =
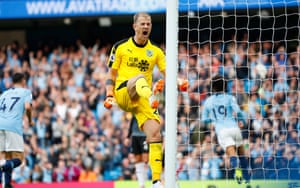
(142, 88)
(233, 162)
(155, 160)
(244, 166)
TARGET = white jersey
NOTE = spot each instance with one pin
(12, 107)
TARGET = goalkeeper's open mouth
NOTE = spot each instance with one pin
(145, 33)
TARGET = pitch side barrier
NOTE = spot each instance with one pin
(183, 184)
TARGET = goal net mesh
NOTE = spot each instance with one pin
(255, 46)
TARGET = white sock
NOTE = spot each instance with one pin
(139, 170)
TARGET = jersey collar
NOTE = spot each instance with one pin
(139, 45)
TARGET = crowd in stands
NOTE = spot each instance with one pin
(76, 139)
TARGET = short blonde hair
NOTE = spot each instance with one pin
(140, 14)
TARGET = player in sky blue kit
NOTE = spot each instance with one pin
(14, 102)
(223, 112)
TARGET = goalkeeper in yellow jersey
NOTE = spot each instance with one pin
(129, 84)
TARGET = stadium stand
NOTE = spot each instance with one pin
(75, 135)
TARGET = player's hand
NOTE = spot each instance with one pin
(31, 123)
(159, 86)
(154, 103)
(242, 124)
(183, 84)
(109, 102)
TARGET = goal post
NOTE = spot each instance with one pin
(171, 92)
(255, 45)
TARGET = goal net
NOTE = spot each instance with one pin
(255, 46)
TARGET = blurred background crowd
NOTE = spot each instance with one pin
(76, 139)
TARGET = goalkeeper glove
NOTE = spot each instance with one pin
(157, 89)
(183, 84)
(159, 86)
(109, 102)
(154, 103)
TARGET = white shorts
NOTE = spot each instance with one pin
(230, 137)
(10, 141)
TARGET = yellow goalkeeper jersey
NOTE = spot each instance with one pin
(131, 59)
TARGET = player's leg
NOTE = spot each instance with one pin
(244, 163)
(227, 140)
(13, 160)
(2, 153)
(152, 130)
(2, 161)
(14, 155)
(140, 171)
(231, 152)
(234, 163)
(140, 161)
(149, 121)
(145, 158)
(138, 86)
(145, 155)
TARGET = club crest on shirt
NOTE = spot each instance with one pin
(149, 53)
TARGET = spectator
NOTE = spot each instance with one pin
(205, 168)
(47, 170)
(37, 174)
(97, 134)
(58, 172)
(41, 130)
(72, 171)
(216, 163)
(127, 170)
(181, 167)
(87, 174)
(257, 168)
(21, 174)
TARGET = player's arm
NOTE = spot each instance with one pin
(239, 113)
(241, 119)
(112, 73)
(205, 118)
(110, 82)
(28, 112)
(161, 64)
(28, 107)
(110, 86)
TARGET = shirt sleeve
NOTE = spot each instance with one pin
(114, 58)
(205, 113)
(161, 60)
(28, 96)
(237, 109)
(235, 105)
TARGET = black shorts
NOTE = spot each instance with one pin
(139, 145)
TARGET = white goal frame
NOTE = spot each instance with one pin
(171, 92)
